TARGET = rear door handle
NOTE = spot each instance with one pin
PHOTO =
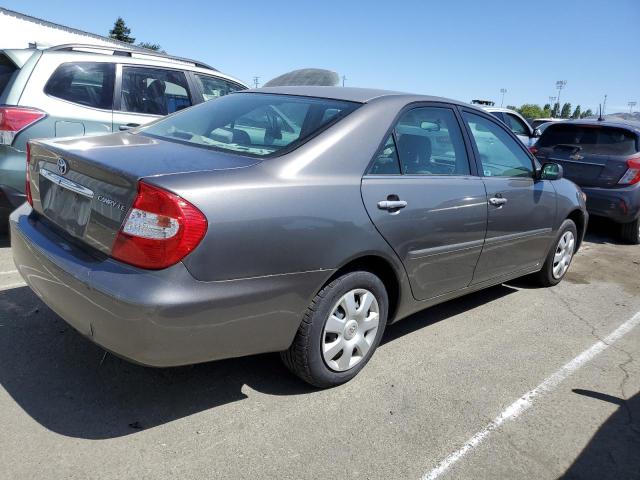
(391, 204)
(128, 126)
(497, 201)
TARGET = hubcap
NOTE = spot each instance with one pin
(563, 255)
(350, 330)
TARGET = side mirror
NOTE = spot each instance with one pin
(536, 133)
(551, 171)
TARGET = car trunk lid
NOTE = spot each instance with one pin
(591, 155)
(86, 186)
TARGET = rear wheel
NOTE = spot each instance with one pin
(559, 257)
(340, 330)
(630, 232)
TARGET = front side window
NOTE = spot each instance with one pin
(213, 87)
(153, 91)
(500, 154)
(88, 84)
(516, 125)
(254, 124)
(429, 142)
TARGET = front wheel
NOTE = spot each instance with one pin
(559, 257)
(631, 232)
(340, 330)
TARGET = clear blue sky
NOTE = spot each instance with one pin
(455, 48)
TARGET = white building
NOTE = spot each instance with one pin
(23, 31)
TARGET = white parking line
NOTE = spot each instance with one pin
(8, 272)
(514, 410)
(12, 285)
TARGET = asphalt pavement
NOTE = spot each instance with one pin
(512, 382)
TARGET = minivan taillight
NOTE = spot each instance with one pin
(160, 229)
(27, 187)
(632, 175)
(15, 119)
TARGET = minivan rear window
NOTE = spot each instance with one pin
(593, 139)
(7, 68)
(254, 124)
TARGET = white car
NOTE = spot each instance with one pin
(516, 123)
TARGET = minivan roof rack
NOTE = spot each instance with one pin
(128, 52)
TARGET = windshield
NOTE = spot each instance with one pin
(255, 124)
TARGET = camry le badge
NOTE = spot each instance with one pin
(63, 168)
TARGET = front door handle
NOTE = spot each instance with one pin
(128, 126)
(391, 204)
(497, 201)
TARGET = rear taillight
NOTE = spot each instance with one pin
(15, 119)
(27, 187)
(160, 229)
(632, 175)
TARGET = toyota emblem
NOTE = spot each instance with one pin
(62, 166)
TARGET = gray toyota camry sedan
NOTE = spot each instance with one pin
(300, 220)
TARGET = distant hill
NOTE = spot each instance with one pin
(635, 116)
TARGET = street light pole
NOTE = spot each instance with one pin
(552, 102)
(631, 105)
(560, 84)
(502, 91)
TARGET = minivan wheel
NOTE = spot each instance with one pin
(559, 257)
(630, 232)
(340, 330)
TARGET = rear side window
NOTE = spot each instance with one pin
(254, 124)
(516, 125)
(6, 70)
(592, 139)
(430, 143)
(89, 84)
(213, 87)
(154, 91)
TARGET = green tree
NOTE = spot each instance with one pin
(566, 110)
(121, 32)
(586, 113)
(576, 112)
(547, 106)
(530, 110)
(151, 46)
(555, 113)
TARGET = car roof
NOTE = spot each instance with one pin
(499, 109)
(351, 94)
(618, 123)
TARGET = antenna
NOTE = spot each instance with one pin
(600, 119)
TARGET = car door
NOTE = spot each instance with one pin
(144, 94)
(423, 196)
(521, 209)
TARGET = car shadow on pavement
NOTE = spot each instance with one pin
(68, 384)
(614, 451)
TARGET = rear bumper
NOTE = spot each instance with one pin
(161, 318)
(621, 205)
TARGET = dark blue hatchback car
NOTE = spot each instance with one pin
(603, 158)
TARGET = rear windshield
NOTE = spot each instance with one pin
(594, 139)
(254, 124)
(6, 70)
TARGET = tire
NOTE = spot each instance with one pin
(547, 277)
(318, 354)
(630, 232)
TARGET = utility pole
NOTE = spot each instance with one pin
(256, 79)
(604, 105)
(343, 79)
(560, 84)
(631, 105)
(502, 91)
